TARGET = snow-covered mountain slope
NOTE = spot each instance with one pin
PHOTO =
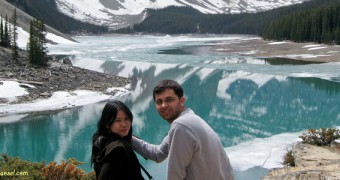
(118, 13)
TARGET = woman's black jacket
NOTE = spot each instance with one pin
(115, 159)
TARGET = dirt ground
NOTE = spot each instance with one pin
(311, 162)
(286, 49)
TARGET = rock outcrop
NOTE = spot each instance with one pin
(311, 163)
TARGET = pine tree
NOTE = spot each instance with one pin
(1, 32)
(14, 38)
(7, 38)
(42, 40)
(37, 52)
(31, 45)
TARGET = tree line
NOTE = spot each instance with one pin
(36, 47)
(293, 22)
(9, 34)
(321, 25)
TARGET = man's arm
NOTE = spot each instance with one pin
(156, 153)
(182, 147)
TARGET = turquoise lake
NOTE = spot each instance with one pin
(257, 106)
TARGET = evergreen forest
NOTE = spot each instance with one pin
(321, 25)
(314, 21)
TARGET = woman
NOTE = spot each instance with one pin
(112, 155)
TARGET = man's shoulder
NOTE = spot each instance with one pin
(186, 113)
(188, 116)
(187, 119)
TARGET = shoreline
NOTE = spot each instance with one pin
(258, 47)
(60, 100)
(60, 85)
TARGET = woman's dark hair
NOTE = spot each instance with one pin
(108, 116)
(103, 132)
(168, 84)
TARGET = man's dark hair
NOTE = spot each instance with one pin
(168, 84)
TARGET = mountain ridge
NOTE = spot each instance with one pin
(117, 14)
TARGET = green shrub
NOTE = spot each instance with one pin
(10, 166)
(64, 170)
(320, 137)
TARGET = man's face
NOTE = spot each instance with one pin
(168, 105)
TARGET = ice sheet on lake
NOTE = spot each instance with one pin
(264, 152)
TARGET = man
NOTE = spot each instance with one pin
(195, 151)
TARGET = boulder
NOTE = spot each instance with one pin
(67, 61)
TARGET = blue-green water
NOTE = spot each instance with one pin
(256, 106)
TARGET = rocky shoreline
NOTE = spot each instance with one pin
(308, 51)
(41, 82)
(311, 162)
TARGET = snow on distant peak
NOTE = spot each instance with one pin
(104, 11)
(124, 12)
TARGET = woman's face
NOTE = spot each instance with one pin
(122, 124)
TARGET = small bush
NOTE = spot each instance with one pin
(65, 170)
(288, 158)
(89, 176)
(52, 171)
(320, 137)
(13, 165)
